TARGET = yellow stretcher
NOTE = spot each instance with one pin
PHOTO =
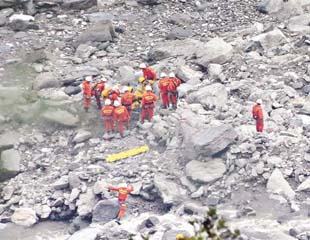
(132, 152)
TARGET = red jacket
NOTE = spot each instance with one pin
(98, 88)
(86, 89)
(121, 114)
(149, 74)
(107, 111)
(257, 112)
(113, 95)
(163, 84)
(122, 192)
(149, 98)
(127, 98)
(174, 83)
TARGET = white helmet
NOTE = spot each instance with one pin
(171, 75)
(122, 185)
(89, 78)
(103, 79)
(259, 101)
(115, 88)
(148, 88)
(117, 103)
(142, 65)
(162, 75)
(125, 89)
(107, 102)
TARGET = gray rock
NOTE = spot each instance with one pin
(188, 75)
(215, 71)
(126, 75)
(7, 3)
(72, 90)
(271, 39)
(306, 89)
(168, 190)
(86, 203)
(105, 211)
(277, 184)
(149, 2)
(61, 117)
(304, 186)
(179, 33)
(46, 80)
(100, 187)
(8, 140)
(278, 6)
(211, 97)
(74, 180)
(299, 24)
(205, 172)
(7, 192)
(9, 164)
(81, 136)
(79, 72)
(84, 51)
(61, 183)
(180, 19)
(24, 217)
(74, 194)
(89, 233)
(78, 4)
(43, 211)
(20, 25)
(100, 32)
(184, 89)
(215, 51)
(99, 17)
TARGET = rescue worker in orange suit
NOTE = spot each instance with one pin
(97, 90)
(114, 94)
(257, 113)
(127, 99)
(123, 191)
(107, 112)
(148, 72)
(148, 100)
(87, 92)
(121, 117)
(172, 88)
(162, 85)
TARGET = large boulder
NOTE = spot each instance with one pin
(9, 164)
(7, 3)
(81, 136)
(105, 211)
(279, 6)
(300, 23)
(86, 203)
(8, 140)
(209, 141)
(78, 4)
(211, 97)
(126, 75)
(215, 51)
(46, 80)
(205, 172)
(61, 117)
(100, 32)
(188, 75)
(88, 233)
(24, 217)
(271, 39)
(61, 183)
(277, 184)
(179, 33)
(169, 191)
(21, 22)
(304, 186)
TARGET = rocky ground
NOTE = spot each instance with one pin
(204, 154)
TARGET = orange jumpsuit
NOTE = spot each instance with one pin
(121, 116)
(148, 100)
(107, 114)
(162, 85)
(113, 95)
(127, 100)
(149, 74)
(173, 85)
(96, 91)
(122, 196)
(257, 113)
(86, 94)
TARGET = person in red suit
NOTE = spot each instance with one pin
(121, 117)
(127, 99)
(162, 85)
(148, 100)
(257, 113)
(107, 112)
(97, 90)
(148, 72)
(172, 88)
(87, 92)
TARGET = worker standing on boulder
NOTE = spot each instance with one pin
(107, 112)
(121, 117)
(123, 191)
(127, 99)
(172, 88)
(162, 85)
(257, 113)
(148, 100)
(87, 92)
(97, 91)
(148, 72)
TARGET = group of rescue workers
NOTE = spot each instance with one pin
(118, 107)
(118, 104)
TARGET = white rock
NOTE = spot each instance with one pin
(24, 217)
(81, 136)
(277, 184)
(271, 39)
(305, 186)
(22, 17)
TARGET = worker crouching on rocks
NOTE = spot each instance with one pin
(148, 102)
(257, 113)
(107, 112)
(123, 190)
(172, 88)
(121, 117)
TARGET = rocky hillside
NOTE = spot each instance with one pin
(205, 154)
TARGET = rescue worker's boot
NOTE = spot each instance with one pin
(118, 221)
